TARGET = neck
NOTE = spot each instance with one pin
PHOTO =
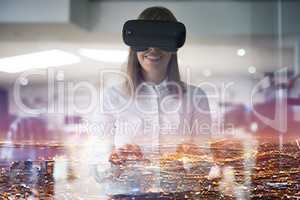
(154, 76)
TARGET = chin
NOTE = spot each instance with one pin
(153, 66)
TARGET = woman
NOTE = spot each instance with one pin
(153, 113)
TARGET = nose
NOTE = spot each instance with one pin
(153, 49)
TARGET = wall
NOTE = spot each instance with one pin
(32, 11)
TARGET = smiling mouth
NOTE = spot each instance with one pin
(153, 58)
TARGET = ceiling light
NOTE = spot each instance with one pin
(105, 55)
(207, 72)
(251, 69)
(241, 52)
(43, 59)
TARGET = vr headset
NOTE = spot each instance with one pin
(142, 34)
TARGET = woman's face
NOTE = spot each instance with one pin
(154, 59)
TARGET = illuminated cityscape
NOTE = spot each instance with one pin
(275, 173)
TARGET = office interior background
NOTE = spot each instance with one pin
(243, 53)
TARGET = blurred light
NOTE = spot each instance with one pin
(60, 168)
(187, 164)
(135, 190)
(207, 72)
(241, 52)
(105, 55)
(214, 172)
(253, 127)
(251, 69)
(23, 81)
(43, 59)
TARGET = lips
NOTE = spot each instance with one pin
(153, 57)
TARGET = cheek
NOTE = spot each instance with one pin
(140, 57)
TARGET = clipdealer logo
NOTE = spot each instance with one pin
(62, 95)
